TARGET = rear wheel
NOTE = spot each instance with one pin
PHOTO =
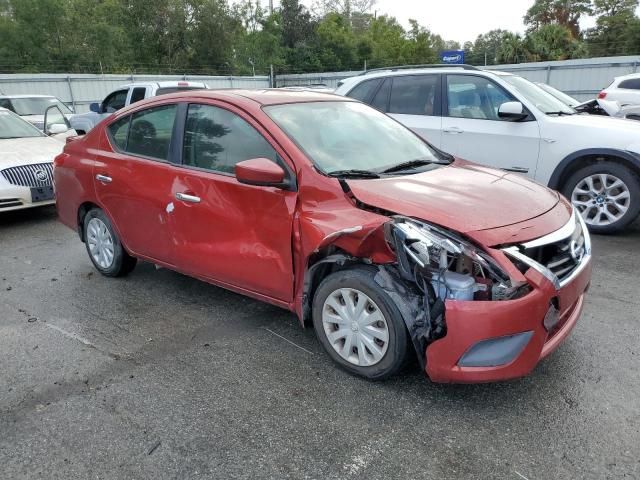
(606, 194)
(359, 325)
(104, 247)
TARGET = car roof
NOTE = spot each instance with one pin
(169, 84)
(631, 75)
(27, 96)
(267, 96)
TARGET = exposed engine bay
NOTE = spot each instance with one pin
(444, 267)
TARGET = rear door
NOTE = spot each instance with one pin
(472, 129)
(134, 177)
(414, 100)
(223, 230)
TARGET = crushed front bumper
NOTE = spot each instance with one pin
(486, 325)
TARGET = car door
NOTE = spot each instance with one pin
(414, 100)
(225, 231)
(133, 180)
(472, 129)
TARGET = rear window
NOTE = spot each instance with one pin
(631, 84)
(364, 90)
(166, 90)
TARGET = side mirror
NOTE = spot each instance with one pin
(57, 128)
(95, 107)
(260, 171)
(512, 111)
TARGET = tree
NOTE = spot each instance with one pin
(552, 42)
(485, 48)
(566, 13)
(614, 33)
(512, 49)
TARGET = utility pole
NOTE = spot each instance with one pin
(270, 7)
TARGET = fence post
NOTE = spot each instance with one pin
(73, 101)
(272, 77)
(548, 74)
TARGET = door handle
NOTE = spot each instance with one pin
(185, 197)
(104, 178)
(453, 130)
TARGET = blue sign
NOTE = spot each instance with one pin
(452, 56)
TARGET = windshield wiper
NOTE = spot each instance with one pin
(409, 165)
(353, 173)
(560, 113)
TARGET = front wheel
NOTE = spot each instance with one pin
(104, 247)
(359, 325)
(606, 194)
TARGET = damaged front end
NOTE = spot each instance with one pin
(435, 266)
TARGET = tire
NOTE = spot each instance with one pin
(383, 359)
(100, 237)
(603, 209)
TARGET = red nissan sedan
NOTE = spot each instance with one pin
(328, 208)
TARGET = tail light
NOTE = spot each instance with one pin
(602, 95)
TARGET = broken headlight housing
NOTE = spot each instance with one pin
(446, 266)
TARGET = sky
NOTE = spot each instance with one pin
(459, 20)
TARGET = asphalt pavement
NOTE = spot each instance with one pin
(158, 375)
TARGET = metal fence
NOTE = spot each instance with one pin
(582, 79)
(80, 90)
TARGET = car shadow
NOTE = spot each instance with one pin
(28, 216)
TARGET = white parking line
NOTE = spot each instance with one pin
(520, 475)
(289, 341)
(71, 335)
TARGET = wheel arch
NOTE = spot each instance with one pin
(571, 163)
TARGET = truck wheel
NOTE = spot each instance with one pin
(607, 195)
(358, 324)
(104, 247)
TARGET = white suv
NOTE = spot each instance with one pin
(625, 90)
(505, 121)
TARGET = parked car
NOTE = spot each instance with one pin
(384, 243)
(26, 159)
(504, 121)
(126, 95)
(595, 106)
(624, 90)
(32, 107)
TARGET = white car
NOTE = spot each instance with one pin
(625, 90)
(32, 107)
(125, 96)
(26, 159)
(504, 121)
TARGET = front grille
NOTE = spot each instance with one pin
(36, 175)
(561, 257)
(557, 255)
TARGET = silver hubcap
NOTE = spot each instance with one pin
(602, 199)
(100, 243)
(355, 327)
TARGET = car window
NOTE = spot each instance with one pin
(414, 95)
(12, 126)
(364, 90)
(474, 97)
(115, 101)
(5, 103)
(150, 132)
(381, 100)
(631, 84)
(216, 139)
(119, 131)
(138, 94)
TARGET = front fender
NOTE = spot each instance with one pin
(627, 155)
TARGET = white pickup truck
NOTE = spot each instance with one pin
(124, 96)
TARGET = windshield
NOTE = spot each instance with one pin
(36, 105)
(12, 126)
(341, 136)
(545, 102)
(563, 97)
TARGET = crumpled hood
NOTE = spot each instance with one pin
(24, 151)
(463, 196)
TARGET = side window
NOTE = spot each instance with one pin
(119, 131)
(216, 139)
(5, 103)
(150, 132)
(138, 94)
(364, 90)
(115, 101)
(631, 84)
(381, 100)
(474, 97)
(414, 95)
